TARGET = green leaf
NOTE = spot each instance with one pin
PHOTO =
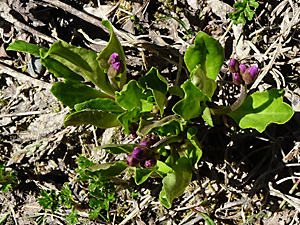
(196, 152)
(175, 183)
(79, 60)
(207, 219)
(176, 90)
(189, 107)
(72, 93)
(132, 95)
(102, 104)
(253, 3)
(50, 200)
(113, 46)
(142, 174)
(109, 169)
(118, 148)
(158, 85)
(170, 125)
(207, 52)
(206, 85)
(262, 108)
(163, 168)
(99, 119)
(66, 196)
(240, 19)
(129, 117)
(60, 70)
(206, 115)
(72, 217)
(240, 5)
(22, 46)
(248, 13)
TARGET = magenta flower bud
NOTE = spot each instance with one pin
(150, 163)
(141, 152)
(237, 78)
(115, 69)
(233, 66)
(114, 58)
(116, 65)
(131, 161)
(250, 74)
(243, 68)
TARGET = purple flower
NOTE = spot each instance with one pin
(237, 78)
(141, 152)
(243, 68)
(131, 161)
(114, 58)
(150, 162)
(233, 66)
(250, 74)
(116, 65)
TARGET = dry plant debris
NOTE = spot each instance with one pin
(244, 177)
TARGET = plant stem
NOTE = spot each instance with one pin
(113, 83)
(221, 110)
(241, 99)
(167, 140)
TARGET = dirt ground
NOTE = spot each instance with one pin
(244, 177)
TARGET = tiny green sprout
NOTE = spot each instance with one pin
(243, 10)
(8, 179)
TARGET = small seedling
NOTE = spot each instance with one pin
(8, 179)
(243, 10)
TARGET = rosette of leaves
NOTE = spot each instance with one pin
(142, 102)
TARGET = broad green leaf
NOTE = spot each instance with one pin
(206, 85)
(158, 85)
(129, 117)
(102, 104)
(207, 52)
(99, 119)
(163, 168)
(262, 108)
(70, 93)
(132, 95)
(118, 148)
(196, 152)
(113, 46)
(22, 46)
(142, 174)
(109, 169)
(81, 61)
(170, 125)
(175, 183)
(176, 90)
(189, 107)
(60, 70)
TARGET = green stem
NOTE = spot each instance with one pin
(221, 110)
(113, 83)
(170, 139)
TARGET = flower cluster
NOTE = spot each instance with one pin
(116, 65)
(143, 154)
(241, 74)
